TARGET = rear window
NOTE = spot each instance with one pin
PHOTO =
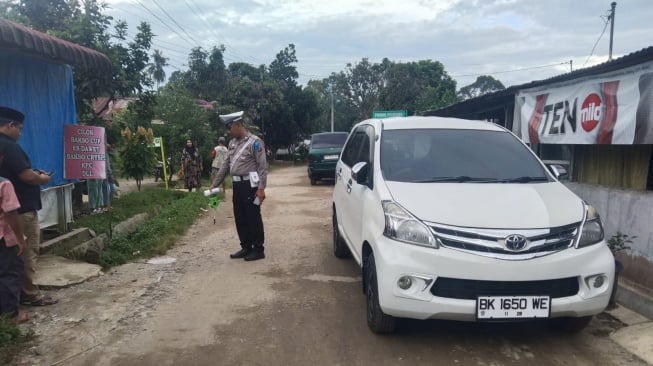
(326, 140)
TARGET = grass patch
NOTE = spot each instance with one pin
(175, 213)
(126, 206)
(12, 339)
(172, 212)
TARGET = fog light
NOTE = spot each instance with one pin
(598, 281)
(405, 282)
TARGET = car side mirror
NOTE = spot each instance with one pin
(559, 171)
(359, 172)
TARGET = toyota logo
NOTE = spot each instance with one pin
(516, 242)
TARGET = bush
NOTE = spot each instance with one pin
(620, 241)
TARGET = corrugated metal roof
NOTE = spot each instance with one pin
(484, 101)
(22, 39)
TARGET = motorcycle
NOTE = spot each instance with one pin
(158, 169)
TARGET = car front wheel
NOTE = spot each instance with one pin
(377, 321)
(340, 249)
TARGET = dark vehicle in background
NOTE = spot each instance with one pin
(323, 153)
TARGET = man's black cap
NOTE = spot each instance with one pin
(228, 119)
(9, 114)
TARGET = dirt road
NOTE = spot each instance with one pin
(298, 306)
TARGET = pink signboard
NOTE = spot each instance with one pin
(84, 152)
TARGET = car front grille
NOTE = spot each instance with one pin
(491, 242)
(471, 289)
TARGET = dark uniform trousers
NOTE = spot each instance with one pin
(11, 279)
(249, 223)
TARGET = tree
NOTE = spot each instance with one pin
(484, 84)
(156, 70)
(138, 158)
(84, 23)
(182, 119)
(43, 15)
(360, 86)
(283, 69)
(206, 75)
(416, 86)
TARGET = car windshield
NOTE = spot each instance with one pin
(450, 155)
(325, 140)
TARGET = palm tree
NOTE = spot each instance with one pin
(156, 68)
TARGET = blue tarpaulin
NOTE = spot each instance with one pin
(44, 93)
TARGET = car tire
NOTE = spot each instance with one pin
(377, 320)
(571, 325)
(340, 249)
(313, 181)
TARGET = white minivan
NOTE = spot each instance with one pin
(458, 219)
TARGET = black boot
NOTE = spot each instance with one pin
(240, 254)
(255, 255)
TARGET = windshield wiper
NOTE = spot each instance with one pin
(458, 179)
(525, 179)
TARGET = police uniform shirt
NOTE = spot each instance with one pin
(252, 159)
(16, 161)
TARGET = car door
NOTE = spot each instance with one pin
(347, 192)
(361, 193)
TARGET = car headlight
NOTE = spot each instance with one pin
(402, 226)
(592, 229)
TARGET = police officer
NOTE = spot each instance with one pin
(249, 169)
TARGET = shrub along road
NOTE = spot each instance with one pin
(298, 306)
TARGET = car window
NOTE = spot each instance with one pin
(326, 140)
(352, 149)
(421, 155)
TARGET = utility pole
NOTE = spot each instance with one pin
(614, 5)
(331, 110)
(571, 65)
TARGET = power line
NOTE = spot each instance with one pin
(237, 57)
(174, 21)
(605, 26)
(162, 22)
(229, 48)
(514, 70)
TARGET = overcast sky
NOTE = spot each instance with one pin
(516, 41)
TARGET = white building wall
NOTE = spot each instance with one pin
(628, 211)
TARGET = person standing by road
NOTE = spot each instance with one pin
(95, 200)
(108, 186)
(191, 163)
(249, 170)
(27, 181)
(219, 154)
(12, 244)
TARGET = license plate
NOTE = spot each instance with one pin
(513, 307)
(330, 157)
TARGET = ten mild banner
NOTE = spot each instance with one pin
(84, 152)
(611, 108)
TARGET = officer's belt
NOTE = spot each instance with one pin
(238, 178)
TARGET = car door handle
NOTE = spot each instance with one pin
(349, 186)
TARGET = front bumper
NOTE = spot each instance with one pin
(322, 170)
(425, 265)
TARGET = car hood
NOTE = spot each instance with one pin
(490, 205)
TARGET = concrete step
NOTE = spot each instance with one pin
(54, 271)
(634, 297)
(64, 243)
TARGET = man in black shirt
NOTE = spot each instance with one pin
(18, 169)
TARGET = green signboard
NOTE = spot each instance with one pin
(388, 114)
